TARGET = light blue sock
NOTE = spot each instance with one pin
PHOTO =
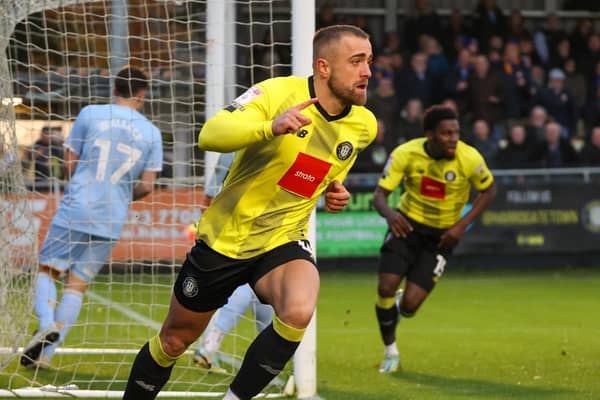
(45, 300)
(66, 315)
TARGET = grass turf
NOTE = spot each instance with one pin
(481, 335)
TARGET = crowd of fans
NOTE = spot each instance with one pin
(527, 98)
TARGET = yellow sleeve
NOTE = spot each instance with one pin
(393, 172)
(481, 177)
(239, 125)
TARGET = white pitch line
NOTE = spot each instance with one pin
(126, 311)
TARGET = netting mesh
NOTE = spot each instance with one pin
(57, 57)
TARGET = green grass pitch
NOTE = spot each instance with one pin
(493, 334)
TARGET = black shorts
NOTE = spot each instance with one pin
(208, 278)
(415, 257)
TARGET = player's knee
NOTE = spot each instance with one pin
(386, 289)
(407, 313)
(298, 315)
(408, 307)
(173, 345)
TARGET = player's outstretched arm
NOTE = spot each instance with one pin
(231, 131)
(336, 197)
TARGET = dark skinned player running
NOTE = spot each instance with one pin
(438, 172)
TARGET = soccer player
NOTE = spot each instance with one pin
(295, 138)
(207, 353)
(438, 171)
(112, 157)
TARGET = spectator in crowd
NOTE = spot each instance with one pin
(489, 21)
(437, 64)
(536, 83)
(561, 54)
(454, 32)
(381, 68)
(576, 82)
(384, 105)
(373, 158)
(451, 104)
(269, 59)
(559, 102)
(415, 82)
(538, 117)
(361, 21)
(547, 37)
(587, 64)
(518, 151)
(421, 20)
(591, 109)
(392, 42)
(495, 51)
(47, 155)
(590, 154)
(578, 39)
(481, 139)
(516, 30)
(528, 55)
(486, 95)
(326, 16)
(409, 126)
(516, 83)
(456, 82)
(555, 151)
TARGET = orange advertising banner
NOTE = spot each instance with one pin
(156, 229)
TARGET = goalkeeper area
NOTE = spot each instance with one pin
(58, 56)
(491, 334)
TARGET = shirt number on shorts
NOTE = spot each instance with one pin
(438, 271)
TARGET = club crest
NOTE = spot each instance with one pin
(189, 287)
(344, 150)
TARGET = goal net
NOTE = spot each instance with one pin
(57, 56)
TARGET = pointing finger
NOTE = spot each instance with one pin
(305, 104)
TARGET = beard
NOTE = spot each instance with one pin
(346, 94)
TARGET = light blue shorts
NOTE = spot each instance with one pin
(84, 254)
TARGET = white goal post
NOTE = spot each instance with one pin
(57, 56)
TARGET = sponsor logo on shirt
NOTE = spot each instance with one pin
(432, 188)
(244, 98)
(305, 175)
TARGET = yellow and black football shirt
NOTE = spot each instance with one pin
(435, 191)
(275, 181)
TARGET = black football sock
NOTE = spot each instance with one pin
(147, 377)
(264, 360)
(388, 319)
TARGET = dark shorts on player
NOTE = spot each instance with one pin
(208, 278)
(415, 257)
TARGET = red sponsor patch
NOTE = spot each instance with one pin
(305, 175)
(433, 188)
